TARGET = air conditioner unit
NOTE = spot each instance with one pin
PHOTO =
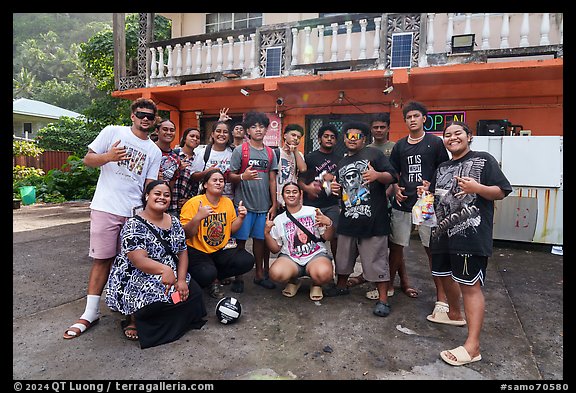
(492, 127)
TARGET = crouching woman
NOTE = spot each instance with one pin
(149, 281)
(298, 234)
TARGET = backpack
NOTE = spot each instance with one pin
(246, 156)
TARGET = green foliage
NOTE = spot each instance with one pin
(64, 94)
(25, 148)
(67, 134)
(25, 176)
(108, 110)
(79, 182)
(58, 185)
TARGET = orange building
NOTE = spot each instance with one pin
(501, 71)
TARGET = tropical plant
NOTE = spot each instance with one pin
(25, 148)
(67, 134)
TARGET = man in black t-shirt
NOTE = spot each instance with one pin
(415, 158)
(321, 170)
(363, 227)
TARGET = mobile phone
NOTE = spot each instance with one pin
(176, 297)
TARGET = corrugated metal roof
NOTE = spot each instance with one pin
(24, 106)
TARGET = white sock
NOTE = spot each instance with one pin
(92, 310)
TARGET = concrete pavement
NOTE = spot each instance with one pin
(278, 337)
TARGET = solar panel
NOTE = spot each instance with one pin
(401, 50)
(273, 61)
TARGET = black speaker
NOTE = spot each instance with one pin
(492, 127)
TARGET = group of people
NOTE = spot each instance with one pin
(157, 249)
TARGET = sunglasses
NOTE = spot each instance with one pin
(142, 115)
(352, 136)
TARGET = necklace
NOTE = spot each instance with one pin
(416, 140)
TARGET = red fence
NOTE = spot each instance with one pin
(48, 160)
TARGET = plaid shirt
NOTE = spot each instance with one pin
(184, 188)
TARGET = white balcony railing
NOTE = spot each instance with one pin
(336, 42)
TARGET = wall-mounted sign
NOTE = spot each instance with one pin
(273, 135)
(436, 121)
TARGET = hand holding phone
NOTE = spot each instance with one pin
(176, 297)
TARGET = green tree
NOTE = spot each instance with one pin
(67, 134)
(97, 55)
(23, 84)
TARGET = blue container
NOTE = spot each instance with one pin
(28, 194)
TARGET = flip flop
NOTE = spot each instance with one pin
(442, 317)
(129, 336)
(462, 356)
(79, 328)
(316, 293)
(264, 283)
(125, 324)
(291, 288)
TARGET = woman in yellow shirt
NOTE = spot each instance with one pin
(209, 219)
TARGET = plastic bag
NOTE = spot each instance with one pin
(423, 211)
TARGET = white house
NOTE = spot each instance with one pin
(28, 116)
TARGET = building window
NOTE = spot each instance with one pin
(27, 130)
(223, 21)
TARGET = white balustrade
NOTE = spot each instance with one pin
(219, 58)
(178, 49)
(430, 34)
(320, 48)
(294, 47)
(208, 68)
(188, 58)
(254, 69)
(188, 52)
(376, 53)
(486, 31)
(449, 32)
(334, 46)
(362, 54)
(524, 30)
(230, 52)
(505, 31)
(241, 52)
(348, 52)
(545, 29)
(307, 46)
(562, 30)
(153, 64)
(169, 66)
(468, 24)
(160, 62)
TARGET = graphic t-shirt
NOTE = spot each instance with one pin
(294, 242)
(316, 163)
(287, 172)
(121, 183)
(215, 230)
(254, 194)
(465, 223)
(364, 207)
(414, 163)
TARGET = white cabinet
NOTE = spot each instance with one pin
(533, 212)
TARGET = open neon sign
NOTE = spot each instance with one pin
(436, 121)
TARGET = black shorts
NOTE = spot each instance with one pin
(464, 269)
